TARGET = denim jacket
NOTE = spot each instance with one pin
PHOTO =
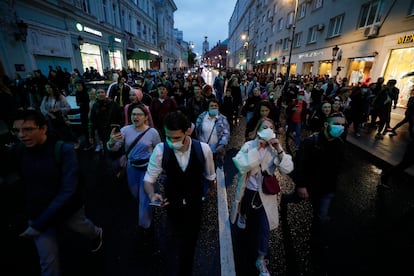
(222, 128)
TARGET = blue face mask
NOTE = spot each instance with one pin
(213, 112)
(336, 130)
(300, 98)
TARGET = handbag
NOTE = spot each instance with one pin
(270, 185)
(119, 165)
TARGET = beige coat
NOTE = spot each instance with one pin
(248, 159)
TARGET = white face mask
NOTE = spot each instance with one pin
(176, 145)
(266, 134)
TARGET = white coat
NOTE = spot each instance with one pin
(248, 159)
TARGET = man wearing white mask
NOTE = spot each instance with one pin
(187, 164)
(213, 129)
(319, 163)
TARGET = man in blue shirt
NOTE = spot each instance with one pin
(53, 197)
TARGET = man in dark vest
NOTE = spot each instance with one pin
(184, 186)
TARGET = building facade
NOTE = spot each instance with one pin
(103, 34)
(374, 38)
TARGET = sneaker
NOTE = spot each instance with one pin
(262, 267)
(98, 241)
(241, 221)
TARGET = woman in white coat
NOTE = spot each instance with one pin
(256, 211)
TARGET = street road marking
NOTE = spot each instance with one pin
(226, 245)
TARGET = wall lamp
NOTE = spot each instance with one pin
(21, 31)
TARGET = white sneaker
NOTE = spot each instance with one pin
(262, 267)
(241, 221)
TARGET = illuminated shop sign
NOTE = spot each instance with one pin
(86, 29)
(311, 54)
(406, 39)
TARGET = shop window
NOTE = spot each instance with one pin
(335, 25)
(370, 14)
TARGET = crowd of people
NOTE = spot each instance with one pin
(175, 124)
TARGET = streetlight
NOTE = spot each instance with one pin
(291, 40)
(245, 38)
(334, 54)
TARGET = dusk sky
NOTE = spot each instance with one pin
(197, 18)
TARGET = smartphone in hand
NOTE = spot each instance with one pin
(117, 127)
(156, 203)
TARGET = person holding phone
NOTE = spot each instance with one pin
(138, 156)
(184, 188)
(256, 212)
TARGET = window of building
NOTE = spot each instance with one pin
(86, 6)
(273, 28)
(114, 14)
(123, 20)
(276, 8)
(270, 49)
(289, 21)
(302, 10)
(264, 52)
(280, 24)
(411, 9)
(313, 34)
(264, 19)
(318, 4)
(139, 33)
(105, 10)
(286, 43)
(370, 14)
(129, 23)
(297, 40)
(335, 25)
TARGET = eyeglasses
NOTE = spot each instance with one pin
(25, 130)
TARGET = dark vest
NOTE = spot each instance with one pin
(184, 189)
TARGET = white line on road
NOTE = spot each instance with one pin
(226, 245)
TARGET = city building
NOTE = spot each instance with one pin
(349, 38)
(217, 56)
(103, 34)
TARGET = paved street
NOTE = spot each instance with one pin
(371, 233)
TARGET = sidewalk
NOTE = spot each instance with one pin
(390, 149)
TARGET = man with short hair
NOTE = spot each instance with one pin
(184, 187)
(319, 163)
(53, 196)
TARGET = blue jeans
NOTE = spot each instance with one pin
(136, 186)
(257, 223)
(321, 204)
(47, 245)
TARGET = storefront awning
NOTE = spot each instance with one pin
(139, 55)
